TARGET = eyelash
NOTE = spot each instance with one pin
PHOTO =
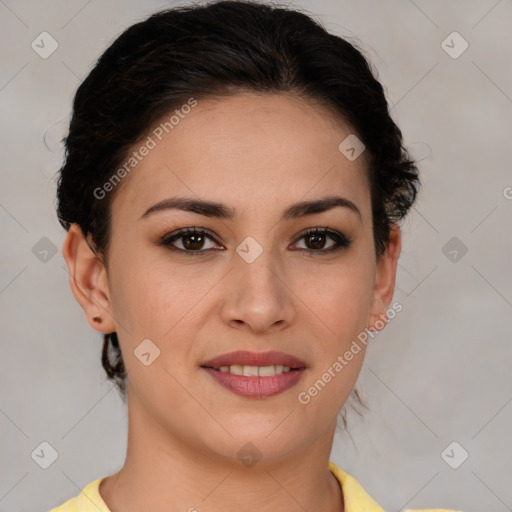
(341, 241)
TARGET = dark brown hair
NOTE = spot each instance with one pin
(203, 51)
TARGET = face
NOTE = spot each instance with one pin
(256, 279)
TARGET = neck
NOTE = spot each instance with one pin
(161, 473)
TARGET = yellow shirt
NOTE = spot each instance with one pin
(356, 498)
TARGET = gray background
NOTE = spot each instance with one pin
(440, 371)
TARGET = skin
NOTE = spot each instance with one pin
(258, 154)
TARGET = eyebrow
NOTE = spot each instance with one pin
(218, 210)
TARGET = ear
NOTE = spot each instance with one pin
(385, 281)
(88, 280)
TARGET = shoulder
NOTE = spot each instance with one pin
(89, 500)
(358, 500)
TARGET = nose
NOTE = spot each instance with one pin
(259, 297)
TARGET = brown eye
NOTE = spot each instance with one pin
(188, 240)
(315, 241)
(193, 242)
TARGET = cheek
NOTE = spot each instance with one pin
(340, 295)
(135, 292)
(153, 298)
(341, 300)
(330, 383)
(350, 306)
(339, 353)
(344, 313)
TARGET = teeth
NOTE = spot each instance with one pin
(255, 371)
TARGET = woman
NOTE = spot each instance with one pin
(231, 190)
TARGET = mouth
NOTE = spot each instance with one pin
(256, 374)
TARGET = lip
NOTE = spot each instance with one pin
(244, 357)
(256, 387)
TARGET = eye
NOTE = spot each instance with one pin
(191, 240)
(317, 238)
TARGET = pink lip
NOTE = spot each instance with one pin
(243, 357)
(257, 387)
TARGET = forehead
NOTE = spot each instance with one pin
(249, 150)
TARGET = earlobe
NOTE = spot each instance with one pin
(88, 280)
(385, 280)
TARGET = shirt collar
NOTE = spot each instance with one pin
(355, 498)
